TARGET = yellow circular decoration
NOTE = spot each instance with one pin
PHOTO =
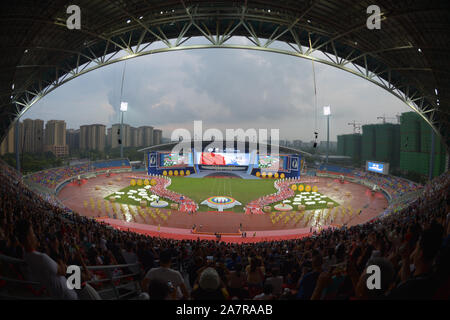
(146, 182)
(188, 172)
(301, 187)
(170, 172)
(258, 174)
(294, 187)
(276, 175)
(164, 173)
(139, 182)
(132, 182)
(315, 188)
(282, 176)
(181, 173)
(175, 173)
(263, 174)
(153, 182)
(308, 188)
(270, 174)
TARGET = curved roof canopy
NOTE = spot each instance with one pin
(408, 56)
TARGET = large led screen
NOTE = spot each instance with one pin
(176, 160)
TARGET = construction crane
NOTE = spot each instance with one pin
(397, 116)
(356, 126)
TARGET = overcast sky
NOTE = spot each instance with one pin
(226, 88)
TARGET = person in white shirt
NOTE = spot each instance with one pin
(41, 267)
(164, 273)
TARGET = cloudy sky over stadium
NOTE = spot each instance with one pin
(226, 88)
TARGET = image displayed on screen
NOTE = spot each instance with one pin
(176, 160)
(223, 159)
(271, 163)
(375, 167)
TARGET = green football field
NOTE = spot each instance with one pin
(199, 190)
(242, 190)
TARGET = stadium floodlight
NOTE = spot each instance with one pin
(327, 112)
(123, 109)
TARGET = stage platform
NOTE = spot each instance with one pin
(225, 174)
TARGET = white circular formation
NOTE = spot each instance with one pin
(283, 207)
(159, 204)
(221, 202)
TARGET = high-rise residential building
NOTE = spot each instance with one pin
(33, 135)
(73, 139)
(134, 137)
(145, 136)
(55, 138)
(55, 132)
(115, 135)
(157, 136)
(8, 145)
(108, 137)
(93, 137)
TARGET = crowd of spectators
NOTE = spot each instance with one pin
(411, 249)
(50, 178)
(395, 186)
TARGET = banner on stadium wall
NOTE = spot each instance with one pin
(152, 159)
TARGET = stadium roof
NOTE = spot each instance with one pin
(168, 147)
(408, 56)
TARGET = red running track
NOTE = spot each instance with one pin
(186, 234)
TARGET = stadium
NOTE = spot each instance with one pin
(232, 220)
(227, 194)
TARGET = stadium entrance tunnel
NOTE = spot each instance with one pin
(45, 54)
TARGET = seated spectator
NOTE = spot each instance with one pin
(236, 282)
(194, 268)
(276, 281)
(308, 282)
(209, 286)
(41, 267)
(255, 276)
(167, 275)
(130, 257)
(421, 284)
(146, 256)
